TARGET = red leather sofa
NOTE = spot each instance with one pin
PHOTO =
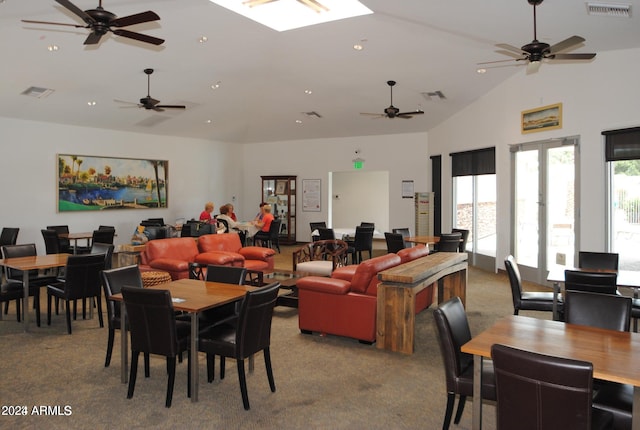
(174, 255)
(345, 304)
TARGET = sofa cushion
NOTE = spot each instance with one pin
(220, 258)
(219, 242)
(316, 267)
(323, 285)
(256, 253)
(259, 265)
(170, 264)
(365, 280)
(410, 254)
(178, 248)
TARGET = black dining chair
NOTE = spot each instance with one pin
(315, 226)
(598, 260)
(464, 236)
(81, 281)
(527, 300)
(9, 236)
(453, 332)
(112, 282)
(449, 242)
(536, 391)
(395, 242)
(249, 334)
(154, 330)
(595, 282)
(14, 278)
(362, 241)
(405, 232)
(64, 245)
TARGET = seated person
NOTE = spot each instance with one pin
(231, 214)
(205, 215)
(262, 227)
(233, 226)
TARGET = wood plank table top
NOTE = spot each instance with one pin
(614, 354)
(47, 261)
(423, 268)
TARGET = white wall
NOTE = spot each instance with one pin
(601, 95)
(198, 171)
(359, 196)
(404, 156)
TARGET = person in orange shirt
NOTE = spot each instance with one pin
(263, 225)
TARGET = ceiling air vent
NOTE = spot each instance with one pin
(37, 92)
(434, 96)
(609, 9)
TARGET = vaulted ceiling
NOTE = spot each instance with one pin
(264, 77)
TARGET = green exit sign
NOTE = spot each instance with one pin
(357, 164)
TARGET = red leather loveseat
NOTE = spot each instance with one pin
(346, 303)
(174, 255)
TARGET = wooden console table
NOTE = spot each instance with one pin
(395, 320)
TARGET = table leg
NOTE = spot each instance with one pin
(477, 393)
(25, 300)
(635, 415)
(124, 345)
(556, 292)
(194, 357)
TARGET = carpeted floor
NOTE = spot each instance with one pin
(322, 382)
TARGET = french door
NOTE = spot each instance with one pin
(545, 198)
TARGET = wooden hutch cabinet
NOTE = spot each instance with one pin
(280, 193)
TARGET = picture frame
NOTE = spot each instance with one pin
(311, 195)
(91, 183)
(281, 187)
(541, 119)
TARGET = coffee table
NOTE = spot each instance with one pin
(288, 280)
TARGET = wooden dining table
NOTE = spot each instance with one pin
(192, 296)
(88, 235)
(614, 354)
(625, 279)
(425, 240)
(36, 262)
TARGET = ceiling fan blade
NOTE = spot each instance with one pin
(520, 56)
(568, 43)
(171, 106)
(409, 114)
(75, 9)
(128, 103)
(374, 115)
(572, 56)
(139, 36)
(93, 38)
(499, 61)
(137, 18)
(53, 23)
(511, 48)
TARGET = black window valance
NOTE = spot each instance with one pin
(623, 144)
(476, 162)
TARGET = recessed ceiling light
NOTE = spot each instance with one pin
(203, 39)
(298, 121)
(481, 71)
(358, 47)
(216, 85)
(52, 48)
(282, 15)
(209, 121)
(308, 92)
(91, 103)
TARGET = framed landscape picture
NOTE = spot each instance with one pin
(89, 183)
(542, 118)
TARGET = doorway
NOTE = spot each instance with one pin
(545, 198)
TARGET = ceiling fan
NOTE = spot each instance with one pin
(100, 22)
(149, 102)
(392, 111)
(537, 51)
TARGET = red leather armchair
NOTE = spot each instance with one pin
(169, 255)
(225, 249)
(343, 307)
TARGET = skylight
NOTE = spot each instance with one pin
(283, 15)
